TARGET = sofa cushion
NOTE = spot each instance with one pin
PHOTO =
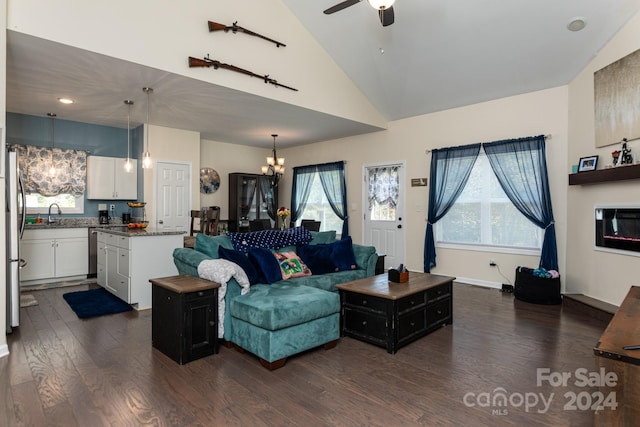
(342, 254)
(319, 237)
(283, 304)
(317, 257)
(209, 244)
(243, 261)
(266, 264)
(291, 265)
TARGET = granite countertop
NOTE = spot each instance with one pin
(44, 226)
(114, 227)
(136, 232)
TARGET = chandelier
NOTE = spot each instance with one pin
(275, 164)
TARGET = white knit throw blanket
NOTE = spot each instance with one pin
(221, 271)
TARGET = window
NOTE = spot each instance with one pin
(318, 208)
(38, 204)
(483, 216)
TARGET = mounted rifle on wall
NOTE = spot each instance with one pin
(234, 28)
(215, 64)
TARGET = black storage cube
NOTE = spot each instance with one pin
(536, 290)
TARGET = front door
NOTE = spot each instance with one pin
(173, 189)
(384, 210)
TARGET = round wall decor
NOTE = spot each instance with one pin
(209, 181)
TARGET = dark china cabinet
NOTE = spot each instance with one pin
(251, 197)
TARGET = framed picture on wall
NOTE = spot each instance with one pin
(587, 163)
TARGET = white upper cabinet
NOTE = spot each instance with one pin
(107, 179)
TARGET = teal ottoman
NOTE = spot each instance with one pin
(279, 320)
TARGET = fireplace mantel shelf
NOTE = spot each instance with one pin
(619, 173)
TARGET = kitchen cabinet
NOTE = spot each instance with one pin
(249, 198)
(52, 254)
(107, 179)
(126, 262)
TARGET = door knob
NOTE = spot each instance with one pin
(160, 221)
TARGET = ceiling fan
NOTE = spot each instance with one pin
(384, 8)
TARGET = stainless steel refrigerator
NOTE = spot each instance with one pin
(15, 220)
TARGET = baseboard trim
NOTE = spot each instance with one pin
(591, 306)
(4, 350)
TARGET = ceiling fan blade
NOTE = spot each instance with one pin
(338, 7)
(386, 16)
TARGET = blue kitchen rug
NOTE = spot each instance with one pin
(95, 302)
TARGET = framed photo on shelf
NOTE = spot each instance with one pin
(587, 163)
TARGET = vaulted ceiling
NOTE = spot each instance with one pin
(437, 55)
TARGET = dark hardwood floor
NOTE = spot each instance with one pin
(103, 371)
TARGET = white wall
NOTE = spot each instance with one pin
(164, 34)
(601, 275)
(225, 159)
(543, 112)
(171, 145)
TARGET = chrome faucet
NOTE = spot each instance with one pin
(49, 220)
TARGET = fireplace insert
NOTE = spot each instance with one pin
(618, 228)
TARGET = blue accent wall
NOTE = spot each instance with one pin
(95, 139)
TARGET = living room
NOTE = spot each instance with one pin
(565, 113)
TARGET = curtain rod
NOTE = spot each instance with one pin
(548, 136)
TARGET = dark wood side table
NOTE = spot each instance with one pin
(184, 317)
(620, 391)
(392, 315)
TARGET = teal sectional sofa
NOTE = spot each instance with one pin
(283, 318)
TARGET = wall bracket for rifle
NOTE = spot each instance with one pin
(215, 64)
(234, 28)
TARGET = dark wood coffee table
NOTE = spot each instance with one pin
(392, 315)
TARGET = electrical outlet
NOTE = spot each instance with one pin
(112, 207)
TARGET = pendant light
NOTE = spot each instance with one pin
(275, 164)
(52, 170)
(146, 157)
(127, 164)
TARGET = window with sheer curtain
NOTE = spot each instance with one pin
(66, 186)
(484, 217)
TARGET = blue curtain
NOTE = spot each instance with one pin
(333, 183)
(450, 170)
(302, 180)
(521, 168)
(335, 188)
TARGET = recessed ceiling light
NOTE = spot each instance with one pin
(65, 100)
(577, 24)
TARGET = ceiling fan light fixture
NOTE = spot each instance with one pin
(381, 4)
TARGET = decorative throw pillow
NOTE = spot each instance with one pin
(342, 254)
(291, 265)
(317, 258)
(243, 261)
(266, 264)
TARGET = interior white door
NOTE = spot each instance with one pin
(173, 191)
(383, 196)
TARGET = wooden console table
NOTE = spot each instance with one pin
(623, 330)
(391, 315)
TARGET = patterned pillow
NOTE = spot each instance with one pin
(270, 239)
(291, 265)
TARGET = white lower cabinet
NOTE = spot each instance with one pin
(54, 254)
(125, 264)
